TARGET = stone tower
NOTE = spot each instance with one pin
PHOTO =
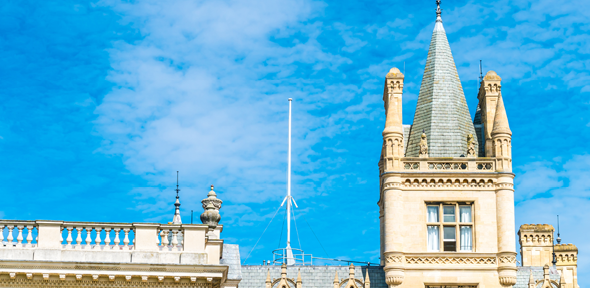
(446, 206)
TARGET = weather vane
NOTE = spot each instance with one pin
(438, 10)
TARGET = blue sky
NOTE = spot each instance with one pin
(104, 101)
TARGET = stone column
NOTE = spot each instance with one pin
(394, 223)
(506, 235)
(381, 235)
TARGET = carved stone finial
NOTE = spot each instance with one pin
(211, 205)
(438, 11)
(423, 146)
(470, 146)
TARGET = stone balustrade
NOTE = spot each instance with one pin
(448, 164)
(110, 242)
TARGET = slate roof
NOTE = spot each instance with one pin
(323, 276)
(523, 274)
(442, 110)
(231, 257)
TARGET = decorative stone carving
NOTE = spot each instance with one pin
(394, 280)
(507, 280)
(429, 260)
(394, 259)
(211, 205)
(470, 146)
(507, 259)
(423, 146)
(351, 281)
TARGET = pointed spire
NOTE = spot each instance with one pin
(336, 281)
(442, 108)
(562, 279)
(438, 25)
(531, 280)
(268, 282)
(177, 219)
(299, 276)
(501, 119)
(367, 280)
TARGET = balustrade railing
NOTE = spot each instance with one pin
(98, 236)
(171, 238)
(447, 164)
(18, 234)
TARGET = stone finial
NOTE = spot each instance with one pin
(423, 146)
(501, 119)
(336, 281)
(299, 283)
(367, 280)
(268, 281)
(531, 280)
(562, 279)
(470, 146)
(211, 205)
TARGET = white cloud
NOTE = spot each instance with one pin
(205, 92)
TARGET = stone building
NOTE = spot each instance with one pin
(446, 215)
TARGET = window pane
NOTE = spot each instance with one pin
(449, 233)
(449, 213)
(451, 246)
(433, 238)
(432, 214)
(466, 238)
(465, 212)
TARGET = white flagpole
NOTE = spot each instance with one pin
(290, 259)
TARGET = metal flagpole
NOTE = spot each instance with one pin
(290, 259)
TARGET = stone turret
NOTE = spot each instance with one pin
(536, 241)
(502, 138)
(393, 134)
(489, 92)
(567, 264)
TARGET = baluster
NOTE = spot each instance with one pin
(159, 233)
(61, 235)
(107, 238)
(69, 238)
(117, 240)
(165, 238)
(30, 235)
(9, 238)
(88, 238)
(174, 238)
(97, 240)
(2, 235)
(126, 240)
(79, 237)
(19, 237)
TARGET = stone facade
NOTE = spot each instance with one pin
(445, 221)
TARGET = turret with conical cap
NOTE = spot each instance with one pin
(502, 138)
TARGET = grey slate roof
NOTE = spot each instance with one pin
(523, 274)
(231, 257)
(442, 110)
(254, 276)
(407, 129)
